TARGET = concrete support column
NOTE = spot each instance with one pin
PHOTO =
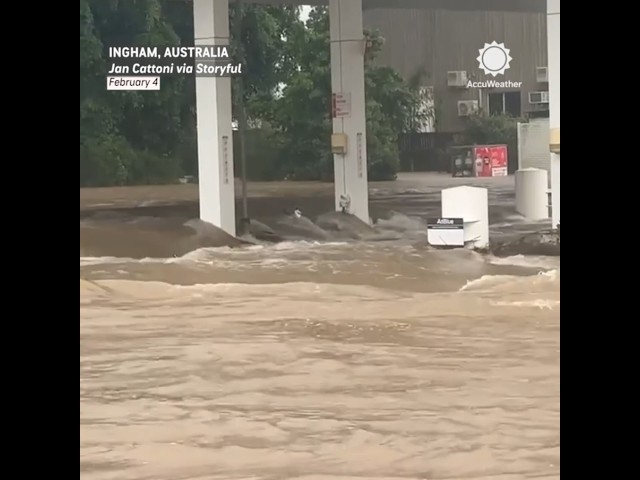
(215, 135)
(553, 46)
(347, 84)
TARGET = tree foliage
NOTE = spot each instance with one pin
(150, 137)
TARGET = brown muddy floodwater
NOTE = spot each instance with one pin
(337, 359)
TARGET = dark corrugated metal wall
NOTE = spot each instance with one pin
(440, 40)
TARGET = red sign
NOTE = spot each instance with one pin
(499, 161)
(491, 160)
(482, 156)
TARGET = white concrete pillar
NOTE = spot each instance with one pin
(215, 136)
(553, 46)
(347, 84)
(532, 185)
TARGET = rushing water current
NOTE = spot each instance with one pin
(313, 359)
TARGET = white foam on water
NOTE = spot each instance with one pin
(511, 282)
(90, 261)
(542, 283)
(540, 303)
(306, 245)
(94, 261)
(529, 261)
(399, 222)
(206, 255)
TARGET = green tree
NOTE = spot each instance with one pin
(126, 137)
(144, 137)
(303, 112)
(264, 32)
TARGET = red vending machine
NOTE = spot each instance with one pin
(491, 160)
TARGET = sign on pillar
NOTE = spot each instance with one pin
(349, 139)
(341, 103)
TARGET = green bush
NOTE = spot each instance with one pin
(153, 169)
(110, 161)
(105, 161)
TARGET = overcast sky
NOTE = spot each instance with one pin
(304, 14)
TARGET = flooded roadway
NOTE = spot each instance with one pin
(313, 360)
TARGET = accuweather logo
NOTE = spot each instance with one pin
(494, 59)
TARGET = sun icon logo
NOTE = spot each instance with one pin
(494, 58)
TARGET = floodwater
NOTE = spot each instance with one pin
(305, 359)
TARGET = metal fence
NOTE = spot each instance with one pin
(426, 152)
